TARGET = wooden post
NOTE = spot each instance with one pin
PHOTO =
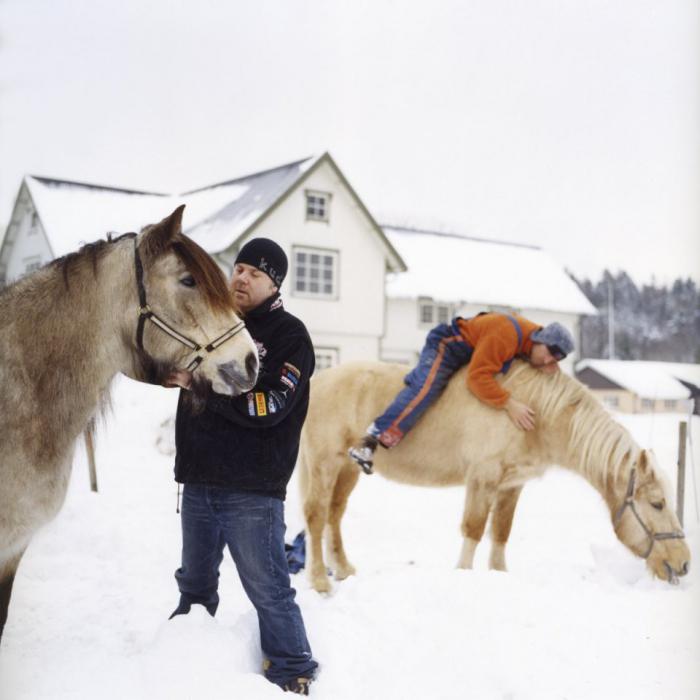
(680, 483)
(90, 451)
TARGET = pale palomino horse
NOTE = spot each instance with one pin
(142, 305)
(460, 440)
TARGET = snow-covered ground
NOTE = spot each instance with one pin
(577, 616)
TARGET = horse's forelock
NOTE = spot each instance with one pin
(208, 276)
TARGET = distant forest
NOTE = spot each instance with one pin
(651, 323)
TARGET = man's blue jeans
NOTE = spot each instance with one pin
(252, 526)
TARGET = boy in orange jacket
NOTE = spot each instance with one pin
(489, 343)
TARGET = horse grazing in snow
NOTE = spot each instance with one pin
(142, 305)
(460, 440)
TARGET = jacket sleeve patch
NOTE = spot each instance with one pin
(292, 370)
(288, 382)
(260, 404)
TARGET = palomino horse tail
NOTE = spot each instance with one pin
(8, 569)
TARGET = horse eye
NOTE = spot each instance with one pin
(188, 281)
(658, 505)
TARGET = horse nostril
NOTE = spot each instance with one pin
(251, 364)
(686, 568)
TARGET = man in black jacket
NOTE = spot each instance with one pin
(235, 458)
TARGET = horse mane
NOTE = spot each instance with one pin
(597, 445)
(207, 275)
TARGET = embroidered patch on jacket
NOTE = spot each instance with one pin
(251, 403)
(260, 404)
(276, 304)
(294, 370)
(286, 380)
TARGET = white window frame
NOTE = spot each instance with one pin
(326, 357)
(33, 225)
(431, 312)
(307, 293)
(317, 205)
(31, 264)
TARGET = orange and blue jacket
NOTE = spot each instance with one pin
(495, 341)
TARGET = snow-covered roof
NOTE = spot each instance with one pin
(258, 192)
(649, 380)
(449, 267)
(74, 213)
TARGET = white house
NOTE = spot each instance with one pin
(639, 386)
(450, 275)
(363, 292)
(339, 256)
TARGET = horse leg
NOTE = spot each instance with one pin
(317, 495)
(479, 498)
(7, 577)
(501, 523)
(347, 479)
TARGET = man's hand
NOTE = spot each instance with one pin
(178, 377)
(521, 414)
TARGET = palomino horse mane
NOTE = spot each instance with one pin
(598, 446)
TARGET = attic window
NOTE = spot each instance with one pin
(317, 205)
(34, 226)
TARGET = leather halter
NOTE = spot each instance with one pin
(147, 314)
(653, 536)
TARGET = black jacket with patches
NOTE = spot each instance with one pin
(251, 442)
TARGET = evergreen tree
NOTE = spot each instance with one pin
(651, 323)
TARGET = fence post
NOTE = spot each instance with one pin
(680, 483)
(90, 451)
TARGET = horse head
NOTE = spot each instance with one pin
(186, 318)
(647, 525)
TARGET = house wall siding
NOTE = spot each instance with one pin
(353, 320)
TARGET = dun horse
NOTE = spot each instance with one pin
(142, 305)
(459, 440)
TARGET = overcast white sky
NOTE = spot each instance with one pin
(569, 124)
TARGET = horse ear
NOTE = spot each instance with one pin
(157, 238)
(643, 462)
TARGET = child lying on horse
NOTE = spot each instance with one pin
(489, 343)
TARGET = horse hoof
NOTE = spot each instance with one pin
(321, 585)
(344, 572)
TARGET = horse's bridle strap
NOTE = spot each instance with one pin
(147, 314)
(653, 536)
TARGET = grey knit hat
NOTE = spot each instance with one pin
(557, 338)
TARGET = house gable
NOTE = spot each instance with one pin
(25, 246)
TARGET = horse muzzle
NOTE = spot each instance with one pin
(673, 575)
(240, 379)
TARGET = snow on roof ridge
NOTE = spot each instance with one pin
(249, 176)
(92, 186)
(451, 234)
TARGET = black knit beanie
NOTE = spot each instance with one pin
(267, 256)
